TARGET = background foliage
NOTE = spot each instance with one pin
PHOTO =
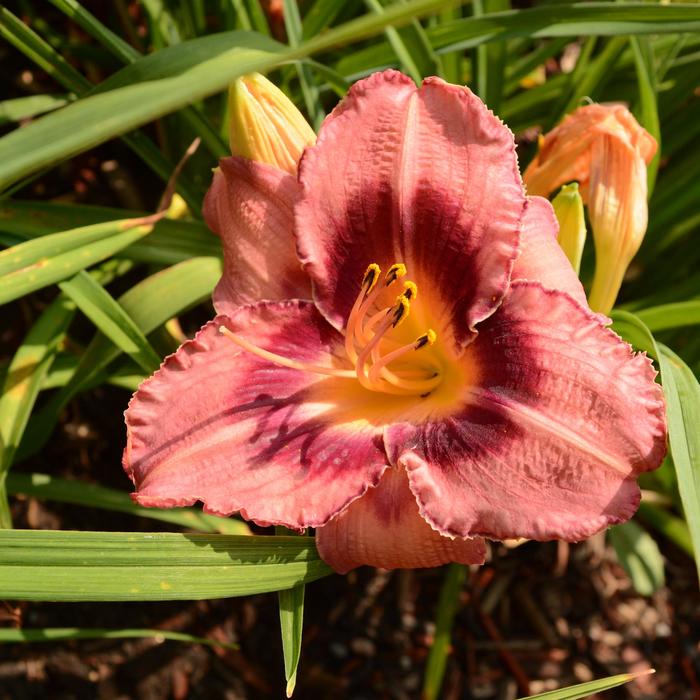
(92, 301)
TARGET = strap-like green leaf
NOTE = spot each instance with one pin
(29, 266)
(455, 576)
(639, 554)
(548, 21)
(682, 393)
(676, 315)
(111, 318)
(648, 109)
(683, 412)
(171, 241)
(79, 493)
(55, 634)
(121, 566)
(24, 107)
(150, 303)
(584, 690)
(291, 604)
(22, 383)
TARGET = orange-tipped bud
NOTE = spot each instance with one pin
(606, 151)
(264, 124)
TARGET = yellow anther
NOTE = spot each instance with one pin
(540, 141)
(400, 310)
(428, 338)
(410, 290)
(371, 277)
(396, 271)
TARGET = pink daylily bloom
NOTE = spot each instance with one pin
(420, 372)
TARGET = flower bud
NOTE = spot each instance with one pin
(264, 124)
(607, 152)
(617, 209)
(568, 207)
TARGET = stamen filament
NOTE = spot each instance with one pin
(380, 368)
(425, 339)
(285, 361)
(355, 330)
(364, 355)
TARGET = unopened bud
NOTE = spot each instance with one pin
(617, 209)
(568, 207)
(264, 124)
(607, 152)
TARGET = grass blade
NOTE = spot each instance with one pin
(128, 54)
(552, 20)
(120, 566)
(584, 690)
(55, 634)
(19, 35)
(309, 89)
(453, 583)
(321, 15)
(567, 19)
(490, 58)
(408, 65)
(670, 526)
(40, 52)
(596, 74)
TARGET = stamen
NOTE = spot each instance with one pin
(392, 318)
(380, 369)
(410, 290)
(371, 277)
(284, 361)
(396, 271)
(399, 312)
(369, 333)
(355, 330)
(428, 338)
(369, 282)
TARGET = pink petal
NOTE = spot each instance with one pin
(385, 529)
(541, 257)
(427, 177)
(560, 419)
(228, 428)
(250, 205)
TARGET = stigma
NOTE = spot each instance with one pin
(380, 363)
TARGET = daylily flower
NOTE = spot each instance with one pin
(606, 151)
(419, 372)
